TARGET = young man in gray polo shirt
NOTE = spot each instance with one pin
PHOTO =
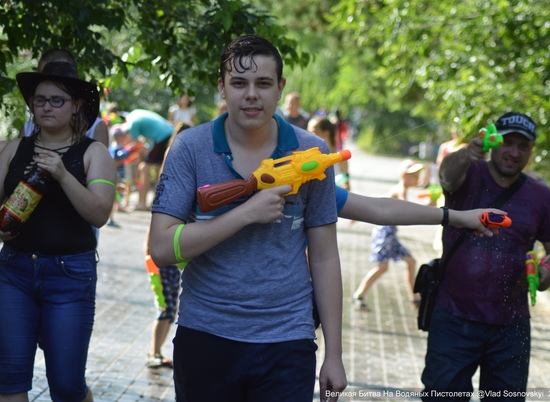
(245, 325)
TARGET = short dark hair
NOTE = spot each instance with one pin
(57, 55)
(243, 49)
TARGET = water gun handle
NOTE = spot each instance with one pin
(156, 283)
(532, 271)
(210, 198)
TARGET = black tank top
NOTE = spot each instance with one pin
(55, 227)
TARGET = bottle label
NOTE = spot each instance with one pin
(23, 201)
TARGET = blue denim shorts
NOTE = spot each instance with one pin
(46, 299)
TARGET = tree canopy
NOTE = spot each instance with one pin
(471, 60)
(180, 39)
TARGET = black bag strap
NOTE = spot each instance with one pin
(497, 203)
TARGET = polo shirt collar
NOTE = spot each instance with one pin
(286, 140)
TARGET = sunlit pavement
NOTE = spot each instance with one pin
(383, 350)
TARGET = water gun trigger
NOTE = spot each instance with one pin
(295, 188)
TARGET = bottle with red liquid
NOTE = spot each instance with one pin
(24, 199)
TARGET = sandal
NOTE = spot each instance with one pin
(157, 361)
(359, 304)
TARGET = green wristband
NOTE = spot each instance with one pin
(181, 262)
(105, 181)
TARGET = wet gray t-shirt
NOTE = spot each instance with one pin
(254, 286)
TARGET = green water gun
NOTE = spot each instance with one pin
(433, 192)
(533, 280)
(490, 137)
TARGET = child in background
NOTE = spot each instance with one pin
(386, 245)
(170, 279)
(183, 112)
(126, 153)
(324, 128)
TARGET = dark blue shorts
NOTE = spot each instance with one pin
(456, 347)
(210, 368)
(50, 299)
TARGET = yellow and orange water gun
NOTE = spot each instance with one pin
(294, 170)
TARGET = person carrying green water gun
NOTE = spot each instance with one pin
(481, 310)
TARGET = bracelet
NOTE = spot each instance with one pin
(181, 262)
(445, 220)
(102, 181)
(117, 195)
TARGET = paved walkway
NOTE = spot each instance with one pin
(383, 350)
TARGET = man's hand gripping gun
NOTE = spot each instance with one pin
(494, 220)
(294, 170)
(156, 284)
(490, 137)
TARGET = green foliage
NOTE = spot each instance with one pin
(342, 76)
(469, 60)
(175, 42)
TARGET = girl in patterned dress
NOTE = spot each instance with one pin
(385, 244)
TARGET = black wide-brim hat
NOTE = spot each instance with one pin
(65, 73)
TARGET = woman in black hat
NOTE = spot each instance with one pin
(48, 271)
(98, 130)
